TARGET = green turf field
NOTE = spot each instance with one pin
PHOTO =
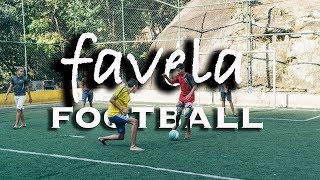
(288, 147)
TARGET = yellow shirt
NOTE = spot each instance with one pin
(123, 98)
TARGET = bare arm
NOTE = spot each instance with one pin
(9, 90)
(191, 92)
(113, 101)
(193, 89)
(225, 88)
(28, 91)
(82, 83)
(167, 78)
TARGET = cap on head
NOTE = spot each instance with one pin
(180, 66)
(132, 82)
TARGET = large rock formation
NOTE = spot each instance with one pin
(297, 55)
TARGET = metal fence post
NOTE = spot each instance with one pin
(24, 39)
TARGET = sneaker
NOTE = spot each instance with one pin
(15, 127)
(22, 126)
(135, 148)
(102, 141)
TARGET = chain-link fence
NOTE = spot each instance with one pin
(33, 32)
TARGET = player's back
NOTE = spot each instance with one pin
(123, 98)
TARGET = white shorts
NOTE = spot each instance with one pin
(19, 101)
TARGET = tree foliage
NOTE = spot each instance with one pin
(50, 23)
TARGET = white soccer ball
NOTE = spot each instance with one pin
(173, 135)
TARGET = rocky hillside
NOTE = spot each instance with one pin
(297, 55)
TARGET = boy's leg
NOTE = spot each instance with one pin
(229, 98)
(134, 127)
(17, 112)
(232, 108)
(22, 99)
(111, 137)
(189, 110)
(223, 100)
(224, 106)
(120, 122)
(18, 116)
(84, 98)
(22, 119)
(90, 98)
(180, 107)
(19, 107)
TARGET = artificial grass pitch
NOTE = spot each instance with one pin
(282, 149)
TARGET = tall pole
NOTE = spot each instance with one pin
(249, 45)
(179, 26)
(75, 18)
(24, 39)
(274, 79)
(123, 35)
(123, 39)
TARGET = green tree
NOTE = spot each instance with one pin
(51, 23)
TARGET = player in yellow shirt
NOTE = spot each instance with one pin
(117, 114)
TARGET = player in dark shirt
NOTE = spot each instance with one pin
(186, 98)
(19, 84)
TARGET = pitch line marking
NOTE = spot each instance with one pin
(280, 119)
(33, 105)
(276, 119)
(120, 164)
(312, 118)
(74, 136)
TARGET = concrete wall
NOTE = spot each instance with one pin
(38, 97)
(240, 98)
(305, 100)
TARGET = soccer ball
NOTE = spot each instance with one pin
(173, 135)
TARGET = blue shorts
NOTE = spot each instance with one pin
(86, 94)
(226, 94)
(120, 121)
